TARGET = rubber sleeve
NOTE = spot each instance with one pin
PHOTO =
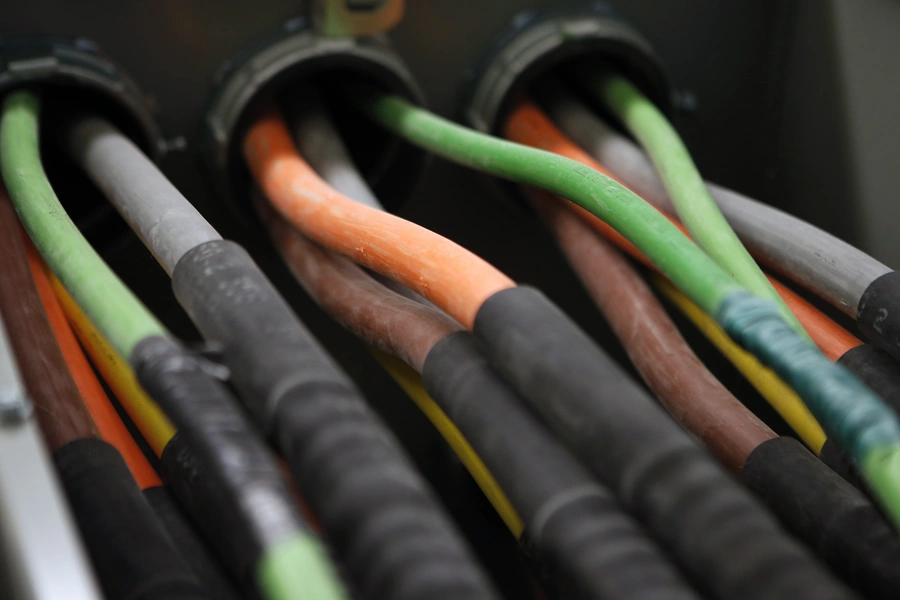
(129, 549)
(193, 550)
(832, 516)
(252, 509)
(858, 420)
(837, 461)
(377, 512)
(877, 370)
(878, 315)
(720, 535)
(573, 520)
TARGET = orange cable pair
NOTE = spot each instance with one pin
(528, 125)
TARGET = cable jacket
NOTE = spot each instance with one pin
(117, 312)
(59, 409)
(857, 419)
(420, 259)
(102, 412)
(130, 551)
(878, 311)
(377, 512)
(390, 322)
(679, 258)
(821, 508)
(693, 203)
(150, 420)
(723, 538)
(411, 382)
(595, 550)
(691, 394)
(833, 517)
(255, 514)
(194, 551)
(166, 222)
(795, 249)
(528, 125)
(779, 395)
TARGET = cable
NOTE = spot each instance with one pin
(857, 419)
(432, 264)
(128, 548)
(409, 379)
(600, 414)
(679, 174)
(150, 420)
(548, 490)
(764, 380)
(528, 125)
(192, 551)
(275, 544)
(805, 494)
(104, 415)
(809, 256)
(43, 554)
(671, 370)
(292, 387)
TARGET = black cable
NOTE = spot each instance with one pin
(731, 547)
(377, 512)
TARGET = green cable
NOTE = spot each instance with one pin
(293, 569)
(847, 410)
(672, 251)
(112, 307)
(696, 208)
(296, 564)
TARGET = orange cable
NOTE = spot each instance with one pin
(95, 399)
(440, 270)
(529, 125)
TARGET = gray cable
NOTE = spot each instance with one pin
(40, 550)
(321, 145)
(168, 224)
(807, 255)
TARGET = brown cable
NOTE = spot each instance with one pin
(58, 405)
(392, 323)
(691, 394)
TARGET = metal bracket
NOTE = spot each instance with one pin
(355, 18)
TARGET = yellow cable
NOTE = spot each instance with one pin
(780, 396)
(411, 383)
(144, 412)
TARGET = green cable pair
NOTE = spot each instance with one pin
(848, 411)
(295, 568)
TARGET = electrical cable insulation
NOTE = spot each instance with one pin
(145, 413)
(370, 237)
(610, 393)
(409, 379)
(193, 551)
(128, 547)
(528, 125)
(856, 418)
(679, 174)
(104, 415)
(264, 528)
(820, 262)
(825, 511)
(237, 308)
(667, 364)
(553, 494)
